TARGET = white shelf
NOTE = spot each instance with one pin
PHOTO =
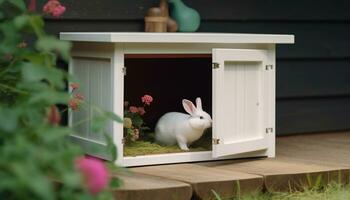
(208, 38)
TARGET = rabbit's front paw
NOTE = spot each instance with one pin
(183, 146)
(182, 142)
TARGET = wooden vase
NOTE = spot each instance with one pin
(158, 20)
(156, 24)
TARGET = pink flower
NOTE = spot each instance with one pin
(95, 173)
(141, 110)
(73, 104)
(58, 11)
(79, 97)
(32, 6)
(74, 86)
(147, 99)
(133, 109)
(54, 8)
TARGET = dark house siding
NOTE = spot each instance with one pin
(313, 76)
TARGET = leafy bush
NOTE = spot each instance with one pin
(36, 159)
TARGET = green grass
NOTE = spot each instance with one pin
(330, 192)
(145, 148)
(141, 147)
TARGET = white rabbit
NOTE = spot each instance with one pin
(183, 129)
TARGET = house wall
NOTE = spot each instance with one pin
(313, 76)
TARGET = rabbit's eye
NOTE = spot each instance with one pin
(201, 117)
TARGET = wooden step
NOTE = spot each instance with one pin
(205, 179)
(283, 175)
(144, 187)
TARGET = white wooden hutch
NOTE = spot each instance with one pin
(243, 88)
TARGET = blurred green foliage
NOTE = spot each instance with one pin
(36, 159)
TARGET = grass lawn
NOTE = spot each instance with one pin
(331, 192)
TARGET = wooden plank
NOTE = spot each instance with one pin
(332, 148)
(285, 176)
(312, 115)
(204, 179)
(213, 10)
(144, 187)
(313, 78)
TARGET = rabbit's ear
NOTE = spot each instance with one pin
(188, 106)
(199, 103)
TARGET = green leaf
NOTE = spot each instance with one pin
(98, 124)
(36, 22)
(115, 183)
(217, 196)
(35, 72)
(137, 121)
(71, 179)
(19, 4)
(49, 97)
(111, 148)
(21, 21)
(129, 131)
(41, 187)
(8, 119)
(113, 116)
(52, 44)
(52, 134)
(10, 39)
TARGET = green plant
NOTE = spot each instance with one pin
(332, 191)
(36, 159)
(134, 126)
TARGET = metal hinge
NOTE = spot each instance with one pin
(269, 130)
(124, 70)
(216, 65)
(216, 141)
(269, 67)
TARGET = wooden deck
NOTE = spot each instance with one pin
(300, 161)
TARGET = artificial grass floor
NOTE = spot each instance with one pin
(142, 147)
(146, 148)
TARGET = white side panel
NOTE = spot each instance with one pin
(81, 71)
(100, 92)
(95, 79)
(239, 96)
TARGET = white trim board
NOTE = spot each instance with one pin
(204, 38)
(183, 157)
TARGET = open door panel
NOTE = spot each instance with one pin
(240, 101)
